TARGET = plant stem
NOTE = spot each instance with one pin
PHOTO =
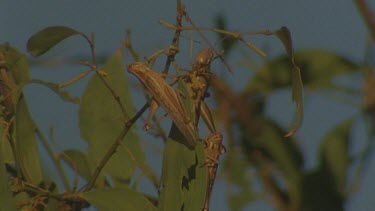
(55, 158)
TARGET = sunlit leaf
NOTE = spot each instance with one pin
(335, 153)
(26, 144)
(118, 199)
(101, 120)
(43, 40)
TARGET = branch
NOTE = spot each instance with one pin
(176, 38)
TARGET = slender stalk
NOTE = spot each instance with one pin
(55, 158)
(128, 45)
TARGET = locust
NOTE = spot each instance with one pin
(165, 96)
(213, 149)
(197, 81)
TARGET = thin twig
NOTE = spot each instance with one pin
(54, 158)
(128, 45)
(94, 67)
(176, 38)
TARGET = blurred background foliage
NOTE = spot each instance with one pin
(259, 154)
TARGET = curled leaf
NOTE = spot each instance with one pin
(45, 39)
(297, 86)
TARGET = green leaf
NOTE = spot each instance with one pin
(77, 160)
(118, 199)
(64, 95)
(101, 120)
(43, 40)
(6, 200)
(335, 154)
(26, 144)
(184, 177)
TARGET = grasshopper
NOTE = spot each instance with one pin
(165, 96)
(213, 149)
(197, 81)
